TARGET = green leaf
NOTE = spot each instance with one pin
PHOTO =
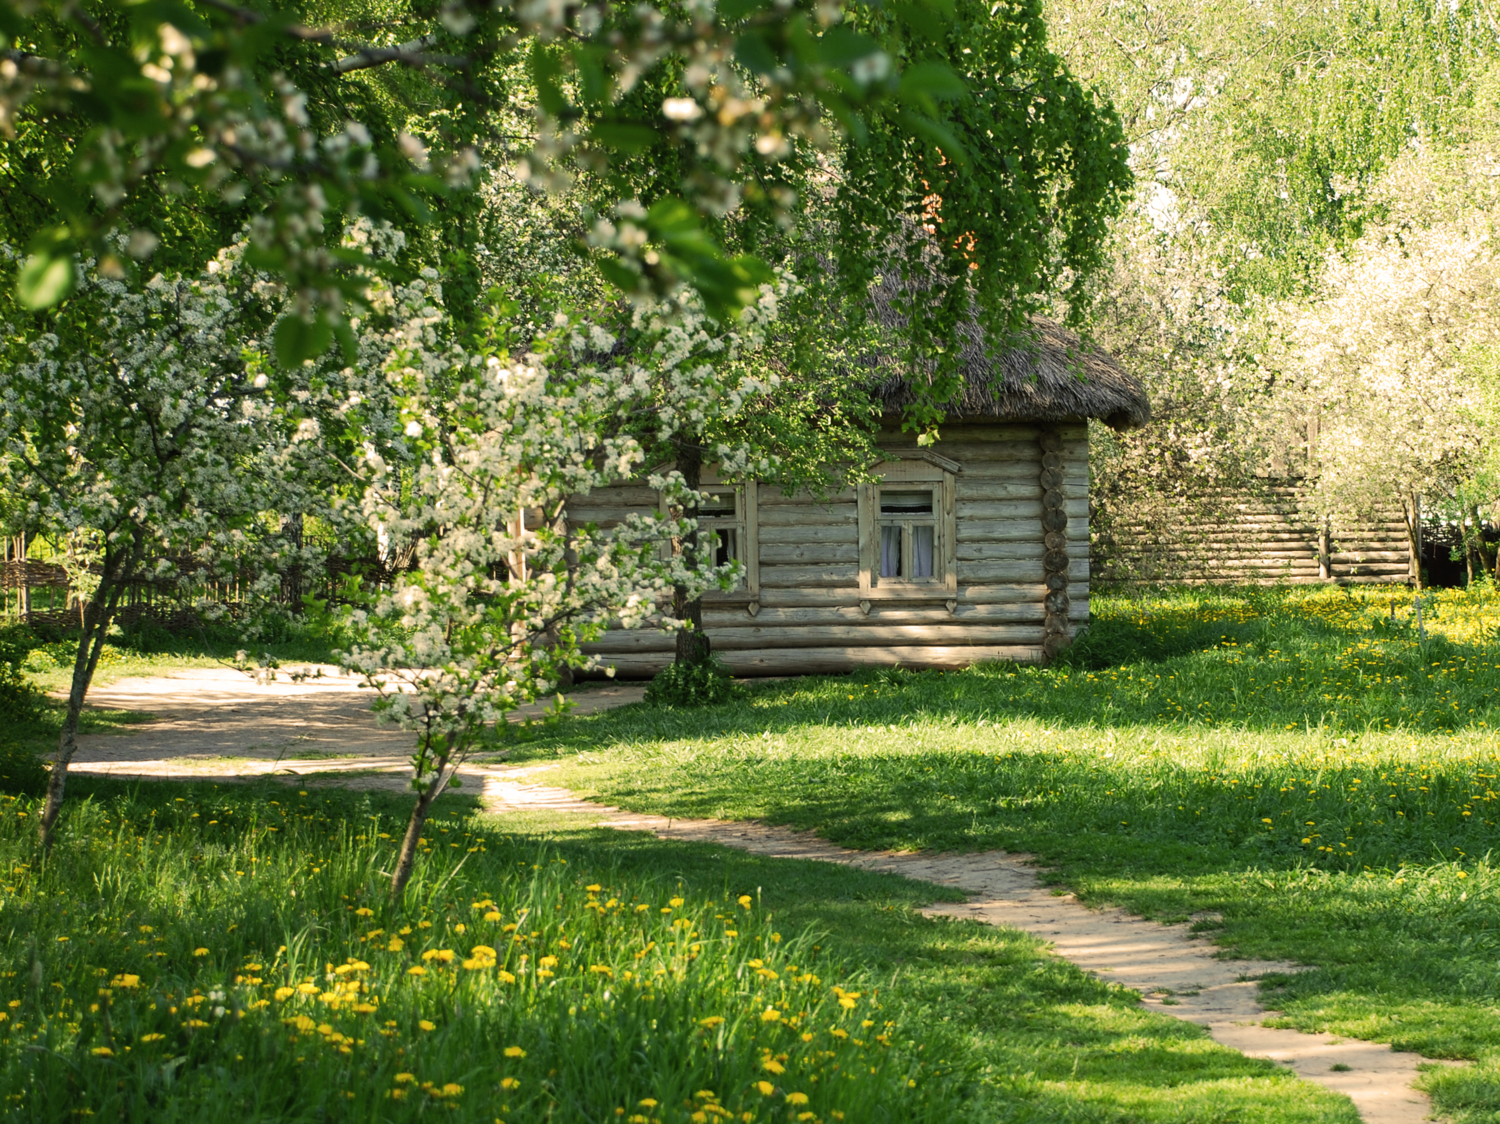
(935, 133)
(672, 217)
(47, 277)
(296, 339)
(624, 137)
(348, 345)
(546, 73)
(840, 47)
(732, 10)
(619, 275)
(755, 53)
(934, 79)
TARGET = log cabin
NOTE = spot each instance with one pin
(971, 550)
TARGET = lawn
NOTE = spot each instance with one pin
(193, 952)
(1298, 765)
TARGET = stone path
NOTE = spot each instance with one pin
(216, 723)
(1175, 973)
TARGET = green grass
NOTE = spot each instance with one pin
(47, 659)
(1292, 760)
(204, 953)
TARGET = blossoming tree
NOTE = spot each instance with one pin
(151, 425)
(1385, 359)
(505, 588)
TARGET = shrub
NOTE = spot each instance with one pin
(21, 770)
(698, 683)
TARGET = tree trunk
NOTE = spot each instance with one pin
(96, 620)
(1411, 510)
(692, 641)
(406, 860)
(292, 528)
(25, 593)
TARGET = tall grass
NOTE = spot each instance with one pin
(209, 957)
(1307, 777)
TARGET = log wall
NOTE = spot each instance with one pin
(808, 614)
(1261, 539)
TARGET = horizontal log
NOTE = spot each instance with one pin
(809, 516)
(833, 661)
(998, 552)
(999, 530)
(1019, 572)
(1017, 472)
(749, 637)
(795, 577)
(970, 511)
(881, 612)
(966, 433)
(606, 515)
(969, 592)
(970, 491)
(808, 534)
(808, 554)
(771, 498)
(629, 495)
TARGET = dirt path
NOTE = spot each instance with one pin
(217, 724)
(207, 715)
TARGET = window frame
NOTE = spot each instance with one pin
(908, 523)
(746, 525)
(910, 474)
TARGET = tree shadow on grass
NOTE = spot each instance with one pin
(1048, 1042)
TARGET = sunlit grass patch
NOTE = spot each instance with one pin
(1323, 776)
(240, 956)
(201, 953)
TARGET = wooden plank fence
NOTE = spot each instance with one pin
(1257, 538)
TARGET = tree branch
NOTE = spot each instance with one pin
(408, 54)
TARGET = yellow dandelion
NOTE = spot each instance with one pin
(796, 1098)
(416, 970)
(200, 952)
(514, 1052)
(765, 1087)
(102, 1052)
(426, 1025)
(405, 1078)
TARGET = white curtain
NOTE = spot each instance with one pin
(921, 551)
(890, 552)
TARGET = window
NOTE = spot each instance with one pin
(727, 526)
(908, 534)
(721, 524)
(908, 531)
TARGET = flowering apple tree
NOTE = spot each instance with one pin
(150, 427)
(505, 588)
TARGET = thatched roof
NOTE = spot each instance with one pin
(1046, 373)
(1042, 373)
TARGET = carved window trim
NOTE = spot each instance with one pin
(911, 473)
